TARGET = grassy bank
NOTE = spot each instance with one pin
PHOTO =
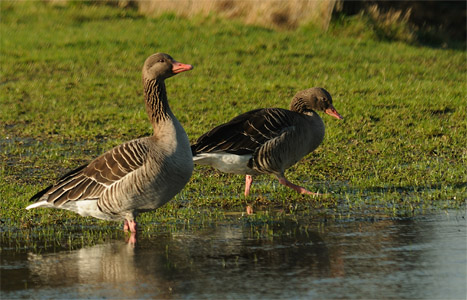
(71, 89)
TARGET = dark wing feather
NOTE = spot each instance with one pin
(50, 189)
(244, 133)
(39, 194)
(90, 181)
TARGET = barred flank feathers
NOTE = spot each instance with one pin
(123, 181)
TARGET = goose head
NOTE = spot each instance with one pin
(161, 66)
(314, 99)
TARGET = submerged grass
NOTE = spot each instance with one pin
(71, 89)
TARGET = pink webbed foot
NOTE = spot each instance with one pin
(129, 226)
(297, 188)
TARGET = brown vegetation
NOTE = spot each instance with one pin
(429, 21)
(271, 13)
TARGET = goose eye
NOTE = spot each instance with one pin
(161, 60)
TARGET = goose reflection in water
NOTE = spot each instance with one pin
(172, 265)
(110, 270)
(407, 258)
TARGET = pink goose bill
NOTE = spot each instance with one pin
(333, 112)
(178, 67)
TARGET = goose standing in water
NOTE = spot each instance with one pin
(268, 140)
(137, 176)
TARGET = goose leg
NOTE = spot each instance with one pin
(129, 226)
(132, 224)
(297, 188)
(248, 181)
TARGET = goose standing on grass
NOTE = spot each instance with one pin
(268, 140)
(137, 176)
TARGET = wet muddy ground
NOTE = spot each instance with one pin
(419, 257)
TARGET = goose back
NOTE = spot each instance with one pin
(133, 177)
(272, 139)
(136, 176)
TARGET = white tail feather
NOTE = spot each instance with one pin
(225, 162)
(39, 204)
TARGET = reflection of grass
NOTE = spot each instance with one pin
(71, 89)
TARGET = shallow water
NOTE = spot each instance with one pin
(420, 257)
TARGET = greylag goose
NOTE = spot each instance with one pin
(137, 176)
(268, 140)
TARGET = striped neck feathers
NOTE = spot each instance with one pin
(155, 96)
(299, 105)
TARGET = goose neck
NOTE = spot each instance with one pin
(299, 106)
(157, 105)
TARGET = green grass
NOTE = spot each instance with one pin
(71, 89)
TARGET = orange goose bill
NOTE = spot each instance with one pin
(138, 176)
(333, 112)
(179, 67)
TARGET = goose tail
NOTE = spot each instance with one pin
(42, 203)
(37, 199)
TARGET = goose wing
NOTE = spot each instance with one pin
(90, 181)
(245, 133)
